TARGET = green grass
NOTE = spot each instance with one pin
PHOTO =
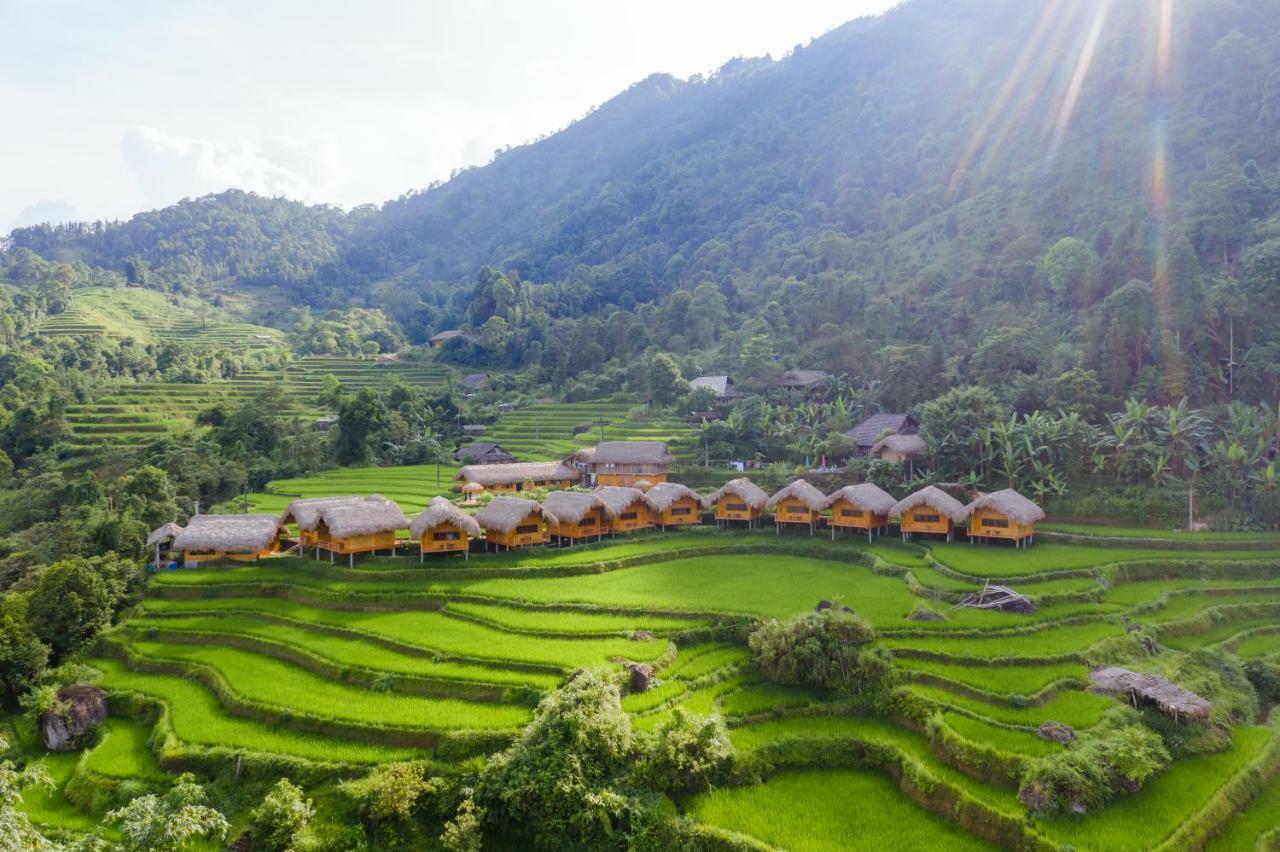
(1077, 709)
(1000, 738)
(701, 660)
(1220, 632)
(123, 753)
(1140, 820)
(763, 697)
(998, 562)
(544, 431)
(571, 621)
(1049, 642)
(276, 684)
(1260, 816)
(810, 811)
(639, 702)
(199, 719)
(1156, 533)
(1007, 679)
(1141, 591)
(47, 807)
(411, 486)
(1259, 645)
(434, 631)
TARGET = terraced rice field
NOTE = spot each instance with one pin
(327, 665)
(544, 431)
(145, 411)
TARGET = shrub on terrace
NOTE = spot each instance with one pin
(281, 821)
(172, 821)
(1092, 770)
(829, 650)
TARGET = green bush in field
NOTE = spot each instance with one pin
(280, 822)
(828, 650)
(1093, 770)
(170, 822)
(686, 754)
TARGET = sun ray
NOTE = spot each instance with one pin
(1077, 79)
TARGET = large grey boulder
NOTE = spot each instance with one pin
(74, 714)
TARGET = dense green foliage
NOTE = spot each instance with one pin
(828, 650)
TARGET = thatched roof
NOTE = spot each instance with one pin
(164, 534)
(373, 514)
(472, 488)
(439, 511)
(934, 498)
(804, 492)
(721, 385)
(517, 472)
(228, 533)
(306, 512)
(866, 496)
(868, 431)
(1169, 697)
(744, 489)
(905, 445)
(803, 378)
(631, 452)
(570, 507)
(620, 497)
(1009, 503)
(664, 494)
(504, 514)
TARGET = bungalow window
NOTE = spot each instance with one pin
(737, 507)
(681, 510)
(588, 521)
(927, 519)
(999, 523)
(444, 536)
(526, 529)
(851, 513)
(629, 516)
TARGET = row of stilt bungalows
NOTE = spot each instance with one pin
(351, 525)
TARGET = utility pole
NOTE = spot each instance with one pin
(195, 506)
(244, 490)
(601, 421)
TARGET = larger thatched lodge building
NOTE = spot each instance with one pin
(738, 500)
(305, 514)
(929, 511)
(577, 515)
(208, 538)
(514, 522)
(799, 504)
(632, 508)
(864, 507)
(625, 462)
(1005, 515)
(347, 525)
(675, 504)
(443, 528)
(517, 476)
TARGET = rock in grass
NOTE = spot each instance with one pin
(1057, 732)
(74, 713)
(641, 636)
(823, 605)
(923, 613)
(641, 676)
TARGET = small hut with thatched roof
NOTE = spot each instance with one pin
(517, 476)
(632, 510)
(207, 538)
(899, 449)
(675, 504)
(930, 511)
(305, 513)
(864, 506)
(1139, 688)
(162, 538)
(737, 500)
(514, 522)
(1005, 515)
(578, 515)
(366, 525)
(443, 528)
(797, 504)
(471, 490)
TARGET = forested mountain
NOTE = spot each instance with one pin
(992, 191)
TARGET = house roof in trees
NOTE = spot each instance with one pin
(482, 452)
(869, 431)
(515, 473)
(228, 533)
(803, 378)
(722, 385)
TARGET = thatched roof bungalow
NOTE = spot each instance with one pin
(514, 522)
(930, 511)
(366, 525)
(675, 504)
(517, 476)
(626, 462)
(737, 500)
(241, 537)
(1005, 515)
(632, 508)
(161, 538)
(898, 448)
(578, 515)
(864, 506)
(305, 513)
(798, 503)
(443, 528)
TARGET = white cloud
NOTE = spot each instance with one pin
(53, 211)
(168, 167)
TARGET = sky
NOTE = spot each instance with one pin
(113, 108)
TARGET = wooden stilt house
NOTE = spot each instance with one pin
(1004, 515)
(359, 526)
(578, 516)
(864, 507)
(625, 462)
(517, 476)
(675, 505)
(514, 522)
(161, 541)
(930, 511)
(208, 538)
(443, 528)
(738, 500)
(799, 504)
(305, 514)
(632, 509)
